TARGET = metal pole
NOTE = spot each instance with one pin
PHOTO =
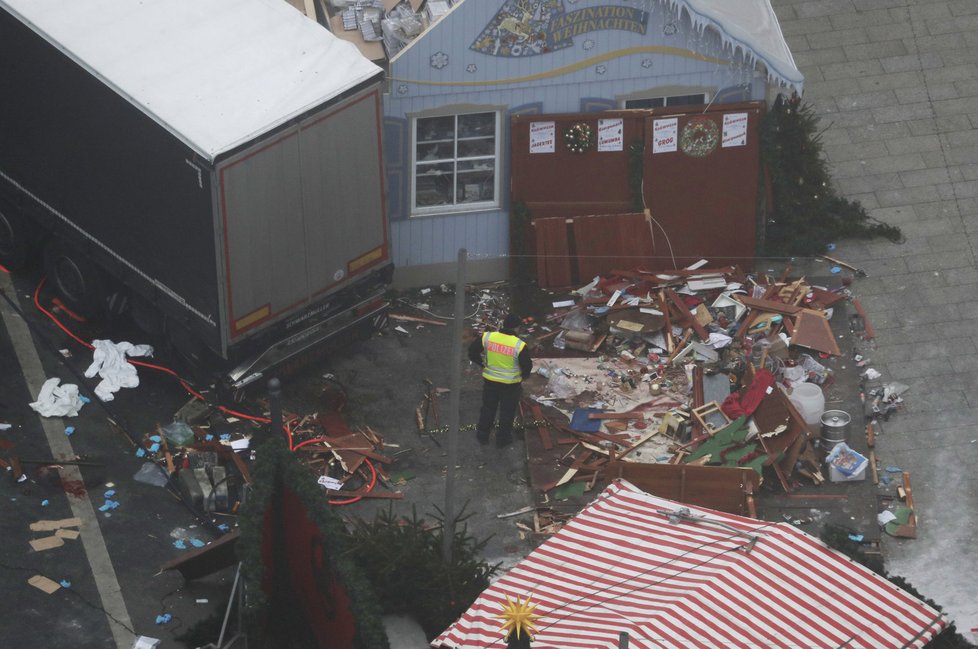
(454, 405)
(275, 405)
(623, 640)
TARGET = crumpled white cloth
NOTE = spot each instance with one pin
(109, 362)
(57, 400)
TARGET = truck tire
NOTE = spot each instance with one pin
(20, 239)
(79, 283)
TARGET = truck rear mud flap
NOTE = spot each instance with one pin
(370, 312)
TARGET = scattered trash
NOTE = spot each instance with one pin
(109, 362)
(56, 400)
(150, 473)
(69, 430)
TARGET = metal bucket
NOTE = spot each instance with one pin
(835, 426)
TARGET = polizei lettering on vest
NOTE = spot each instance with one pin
(500, 349)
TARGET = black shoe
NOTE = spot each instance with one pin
(503, 442)
(482, 437)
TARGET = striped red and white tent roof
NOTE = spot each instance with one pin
(716, 581)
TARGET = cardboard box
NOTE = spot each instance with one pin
(845, 464)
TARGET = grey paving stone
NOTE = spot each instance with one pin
(965, 22)
(964, 275)
(967, 189)
(924, 177)
(876, 50)
(904, 113)
(966, 363)
(879, 132)
(909, 196)
(851, 70)
(804, 26)
(909, 79)
(874, 183)
(897, 215)
(815, 8)
(901, 145)
(960, 156)
(932, 262)
(862, 151)
(921, 61)
(963, 106)
(929, 92)
(921, 12)
(962, 7)
(810, 58)
(935, 159)
(936, 210)
(951, 294)
(871, 18)
(951, 244)
(861, 100)
(967, 171)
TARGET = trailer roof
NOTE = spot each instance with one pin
(216, 73)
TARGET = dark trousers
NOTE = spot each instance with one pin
(501, 396)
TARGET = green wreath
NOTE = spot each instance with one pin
(579, 138)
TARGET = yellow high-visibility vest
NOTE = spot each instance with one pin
(500, 354)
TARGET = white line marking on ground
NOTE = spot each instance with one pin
(54, 430)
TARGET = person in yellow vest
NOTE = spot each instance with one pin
(505, 362)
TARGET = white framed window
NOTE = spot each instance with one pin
(455, 163)
(669, 100)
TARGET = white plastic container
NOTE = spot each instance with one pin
(810, 401)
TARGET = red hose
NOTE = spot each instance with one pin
(4, 269)
(186, 386)
(347, 501)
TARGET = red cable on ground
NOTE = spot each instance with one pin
(4, 269)
(37, 303)
(186, 386)
(160, 368)
(373, 473)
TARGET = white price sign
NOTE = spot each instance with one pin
(735, 129)
(611, 134)
(542, 136)
(665, 135)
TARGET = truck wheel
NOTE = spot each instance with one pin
(79, 283)
(19, 239)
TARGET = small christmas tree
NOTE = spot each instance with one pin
(807, 214)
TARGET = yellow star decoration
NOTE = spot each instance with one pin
(519, 616)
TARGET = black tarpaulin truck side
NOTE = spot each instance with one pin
(227, 184)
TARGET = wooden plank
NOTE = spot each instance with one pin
(768, 306)
(870, 333)
(360, 493)
(813, 331)
(687, 314)
(608, 241)
(542, 430)
(402, 317)
(726, 489)
(644, 438)
(553, 252)
(616, 415)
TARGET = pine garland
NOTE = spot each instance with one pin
(807, 213)
(636, 173)
(275, 464)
